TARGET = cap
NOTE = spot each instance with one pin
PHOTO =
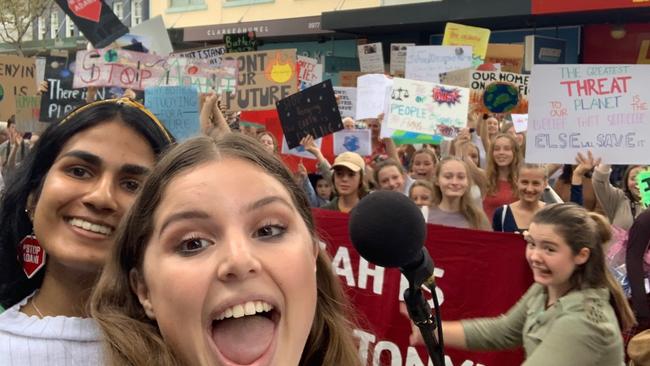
(350, 160)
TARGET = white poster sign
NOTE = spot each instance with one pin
(520, 121)
(357, 141)
(370, 95)
(371, 57)
(299, 151)
(347, 100)
(398, 57)
(426, 63)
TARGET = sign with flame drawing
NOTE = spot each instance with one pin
(265, 77)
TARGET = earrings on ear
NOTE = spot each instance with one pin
(30, 253)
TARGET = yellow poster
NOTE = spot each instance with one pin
(464, 35)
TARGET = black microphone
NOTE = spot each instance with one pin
(389, 230)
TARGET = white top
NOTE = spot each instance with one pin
(54, 341)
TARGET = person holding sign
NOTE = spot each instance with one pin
(219, 263)
(503, 162)
(574, 312)
(516, 217)
(59, 215)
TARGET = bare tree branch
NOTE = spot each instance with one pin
(16, 17)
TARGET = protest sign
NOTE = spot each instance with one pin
(643, 182)
(138, 71)
(478, 274)
(520, 121)
(155, 36)
(39, 62)
(299, 150)
(509, 56)
(423, 107)
(460, 77)
(177, 107)
(398, 58)
(371, 95)
(312, 111)
(499, 92)
(60, 97)
(310, 72)
(464, 35)
(211, 55)
(347, 100)
(544, 50)
(95, 20)
(371, 57)
(27, 111)
(349, 78)
(357, 141)
(426, 63)
(602, 108)
(17, 77)
(240, 42)
(265, 77)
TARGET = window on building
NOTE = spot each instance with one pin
(136, 12)
(69, 27)
(118, 9)
(54, 24)
(42, 28)
(186, 5)
(227, 3)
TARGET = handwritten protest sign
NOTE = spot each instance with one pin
(464, 35)
(357, 141)
(95, 20)
(371, 95)
(602, 108)
(520, 121)
(643, 182)
(419, 106)
(27, 111)
(211, 55)
(398, 58)
(347, 100)
(460, 77)
(240, 42)
(155, 36)
(310, 72)
(509, 56)
(177, 107)
(499, 92)
(138, 71)
(312, 111)
(371, 57)
(16, 78)
(265, 77)
(425, 63)
(300, 151)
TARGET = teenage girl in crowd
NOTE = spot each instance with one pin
(390, 175)
(349, 183)
(269, 142)
(503, 162)
(452, 201)
(516, 217)
(423, 164)
(487, 129)
(70, 194)
(240, 282)
(574, 312)
(421, 193)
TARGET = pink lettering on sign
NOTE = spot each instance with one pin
(600, 86)
(87, 9)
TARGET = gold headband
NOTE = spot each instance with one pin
(121, 101)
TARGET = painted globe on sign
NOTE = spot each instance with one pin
(500, 97)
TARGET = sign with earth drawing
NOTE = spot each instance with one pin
(499, 92)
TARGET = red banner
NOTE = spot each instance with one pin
(478, 274)
(563, 6)
(600, 47)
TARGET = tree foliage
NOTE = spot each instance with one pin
(16, 17)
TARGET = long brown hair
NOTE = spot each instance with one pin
(492, 170)
(583, 229)
(474, 215)
(134, 339)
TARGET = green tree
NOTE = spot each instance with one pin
(16, 17)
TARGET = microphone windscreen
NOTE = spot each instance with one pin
(387, 229)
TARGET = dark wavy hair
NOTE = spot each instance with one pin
(29, 177)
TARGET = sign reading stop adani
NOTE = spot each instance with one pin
(602, 108)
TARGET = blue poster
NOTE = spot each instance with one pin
(177, 107)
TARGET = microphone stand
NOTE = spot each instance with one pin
(419, 309)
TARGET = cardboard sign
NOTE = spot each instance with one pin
(95, 20)
(348, 79)
(312, 111)
(426, 63)
(310, 72)
(17, 77)
(347, 100)
(398, 58)
(544, 50)
(463, 35)
(240, 42)
(211, 55)
(602, 108)
(265, 77)
(371, 95)
(138, 71)
(357, 141)
(499, 92)
(520, 122)
(371, 57)
(61, 98)
(643, 182)
(434, 109)
(177, 107)
(300, 151)
(460, 77)
(27, 113)
(509, 56)
(155, 36)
